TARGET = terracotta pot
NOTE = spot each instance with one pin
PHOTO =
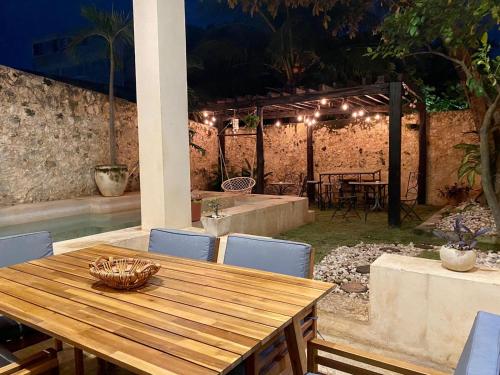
(195, 210)
(457, 260)
(111, 179)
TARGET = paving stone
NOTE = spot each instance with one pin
(354, 287)
(364, 269)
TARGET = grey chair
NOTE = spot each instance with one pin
(279, 256)
(19, 249)
(181, 243)
(268, 254)
(480, 356)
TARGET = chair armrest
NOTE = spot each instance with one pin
(38, 363)
(314, 359)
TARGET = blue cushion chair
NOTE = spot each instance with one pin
(480, 356)
(279, 256)
(181, 243)
(19, 249)
(268, 254)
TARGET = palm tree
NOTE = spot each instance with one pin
(116, 29)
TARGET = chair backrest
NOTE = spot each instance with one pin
(181, 243)
(268, 254)
(22, 248)
(239, 185)
(481, 354)
(6, 357)
(303, 186)
(412, 186)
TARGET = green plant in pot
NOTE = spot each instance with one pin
(458, 253)
(115, 29)
(216, 223)
(196, 203)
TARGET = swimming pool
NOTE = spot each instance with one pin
(70, 227)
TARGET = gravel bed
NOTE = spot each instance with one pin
(341, 265)
(473, 216)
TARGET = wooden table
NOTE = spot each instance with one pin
(191, 318)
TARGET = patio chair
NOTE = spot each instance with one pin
(279, 256)
(44, 362)
(18, 249)
(344, 199)
(409, 200)
(480, 356)
(181, 243)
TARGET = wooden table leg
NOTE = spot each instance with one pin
(78, 361)
(58, 345)
(102, 367)
(296, 347)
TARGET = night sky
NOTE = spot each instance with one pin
(25, 21)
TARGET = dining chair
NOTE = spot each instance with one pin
(44, 362)
(182, 243)
(480, 355)
(16, 249)
(409, 200)
(279, 256)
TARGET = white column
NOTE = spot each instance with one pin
(160, 55)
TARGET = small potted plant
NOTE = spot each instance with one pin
(458, 254)
(196, 202)
(216, 223)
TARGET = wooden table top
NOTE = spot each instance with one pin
(339, 173)
(191, 318)
(368, 183)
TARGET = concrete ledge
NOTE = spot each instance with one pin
(33, 212)
(420, 308)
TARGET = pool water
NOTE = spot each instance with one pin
(70, 227)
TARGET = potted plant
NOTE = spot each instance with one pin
(196, 202)
(459, 254)
(216, 223)
(115, 29)
(455, 194)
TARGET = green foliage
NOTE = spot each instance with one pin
(251, 121)
(470, 166)
(195, 146)
(452, 100)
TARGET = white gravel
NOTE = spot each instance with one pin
(473, 216)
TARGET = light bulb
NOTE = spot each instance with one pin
(345, 107)
(206, 122)
(214, 119)
(300, 117)
(317, 114)
(313, 122)
(323, 101)
(368, 119)
(278, 123)
(361, 113)
(377, 117)
(355, 114)
(205, 114)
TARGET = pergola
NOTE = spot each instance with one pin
(389, 98)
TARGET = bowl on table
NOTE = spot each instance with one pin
(123, 273)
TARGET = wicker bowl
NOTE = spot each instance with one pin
(123, 273)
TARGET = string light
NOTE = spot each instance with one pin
(214, 119)
(323, 101)
(300, 118)
(345, 106)
(206, 122)
(313, 121)
(361, 113)
(377, 117)
(368, 119)
(278, 123)
(355, 114)
(317, 114)
(205, 114)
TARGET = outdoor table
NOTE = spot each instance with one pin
(377, 187)
(282, 186)
(192, 317)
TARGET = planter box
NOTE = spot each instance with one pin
(217, 226)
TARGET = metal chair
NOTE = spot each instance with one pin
(345, 199)
(285, 257)
(181, 243)
(44, 362)
(19, 249)
(409, 200)
(480, 355)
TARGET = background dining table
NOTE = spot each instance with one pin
(192, 317)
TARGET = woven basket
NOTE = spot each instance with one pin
(239, 185)
(123, 273)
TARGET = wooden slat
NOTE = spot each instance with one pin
(138, 358)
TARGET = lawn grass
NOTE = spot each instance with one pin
(325, 234)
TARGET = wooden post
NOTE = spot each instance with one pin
(395, 113)
(311, 192)
(259, 144)
(222, 148)
(422, 154)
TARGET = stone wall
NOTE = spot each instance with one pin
(53, 134)
(203, 164)
(356, 146)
